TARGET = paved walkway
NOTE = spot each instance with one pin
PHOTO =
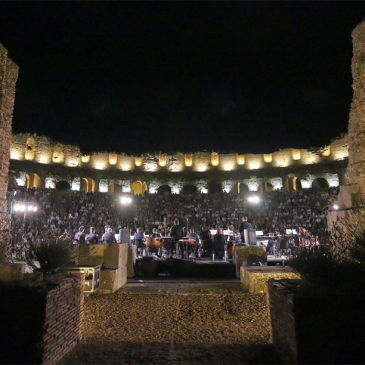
(175, 322)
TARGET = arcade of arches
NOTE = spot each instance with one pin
(138, 187)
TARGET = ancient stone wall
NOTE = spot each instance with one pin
(8, 78)
(356, 129)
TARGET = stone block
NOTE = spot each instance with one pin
(115, 255)
(254, 278)
(112, 279)
(12, 271)
(132, 255)
(91, 255)
(240, 254)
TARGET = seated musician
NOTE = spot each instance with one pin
(208, 244)
(219, 243)
(194, 235)
(155, 233)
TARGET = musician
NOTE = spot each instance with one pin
(208, 244)
(109, 237)
(176, 232)
(92, 237)
(79, 236)
(155, 233)
(244, 225)
(138, 239)
(195, 236)
(219, 243)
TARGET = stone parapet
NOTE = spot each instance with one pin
(241, 253)
(112, 279)
(254, 278)
(12, 271)
(132, 255)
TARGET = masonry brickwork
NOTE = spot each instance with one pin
(8, 78)
(356, 130)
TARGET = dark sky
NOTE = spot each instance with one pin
(170, 76)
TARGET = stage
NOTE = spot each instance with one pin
(155, 267)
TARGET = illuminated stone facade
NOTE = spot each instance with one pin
(106, 171)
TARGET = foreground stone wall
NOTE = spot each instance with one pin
(356, 129)
(8, 78)
(43, 322)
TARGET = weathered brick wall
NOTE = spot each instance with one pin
(8, 77)
(42, 322)
(64, 311)
(283, 333)
(356, 165)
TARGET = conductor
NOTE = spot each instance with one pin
(244, 225)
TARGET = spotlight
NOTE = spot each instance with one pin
(125, 200)
(254, 199)
(336, 207)
(17, 207)
(22, 208)
(35, 209)
(30, 208)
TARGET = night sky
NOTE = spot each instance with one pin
(140, 77)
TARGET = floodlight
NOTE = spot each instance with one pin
(125, 200)
(22, 208)
(254, 199)
(336, 207)
(35, 209)
(30, 208)
(16, 207)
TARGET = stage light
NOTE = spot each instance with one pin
(253, 199)
(126, 200)
(336, 207)
(22, 208)
(30, 208)
(35, 209)
(17, 207)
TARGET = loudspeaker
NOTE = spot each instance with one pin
(124, 236)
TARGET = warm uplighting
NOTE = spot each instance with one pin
(241, 159)
(138, 161)
(100, 166)
(202, 168)
(268, 157)
(228, 167)
(254, 166)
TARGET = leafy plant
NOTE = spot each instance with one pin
(341, 263)
(51, 257)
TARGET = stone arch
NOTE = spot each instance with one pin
(115, 188)
(241, 188)
(292, 183)
(189, 189)
(87, 185)
(63, 185)
(265, 187)
(214, 187)
(32, 180)
(139, 187)
(164, 189)
(320, 183)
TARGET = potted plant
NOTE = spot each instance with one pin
(319, 319)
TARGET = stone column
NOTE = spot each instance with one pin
(355, 174)
(8, 77)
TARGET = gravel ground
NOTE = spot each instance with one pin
(181, 323)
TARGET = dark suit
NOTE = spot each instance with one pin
(138, 240)
(219, 242)
(176, 233)
(244, 225)
(109, 238)
(92, 238)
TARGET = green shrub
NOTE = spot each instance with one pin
(51, 257)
